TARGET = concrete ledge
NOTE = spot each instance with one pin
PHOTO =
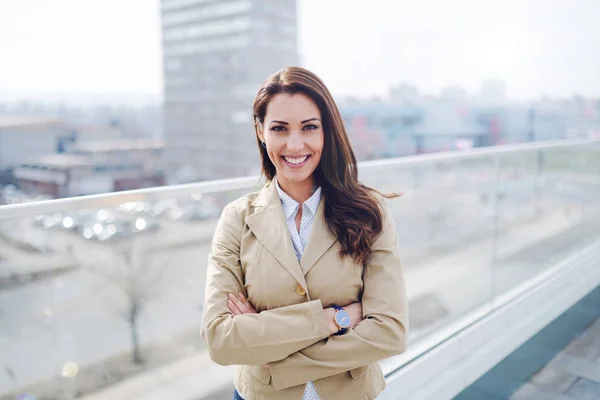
(456, 363)
(553, 364)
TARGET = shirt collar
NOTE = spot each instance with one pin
(290, 206)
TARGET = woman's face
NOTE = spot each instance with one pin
(293, 133)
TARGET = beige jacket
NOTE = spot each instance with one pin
(252, 253)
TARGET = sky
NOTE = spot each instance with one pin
(67, 48)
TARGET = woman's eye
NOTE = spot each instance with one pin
(277, 128)
(310, 127)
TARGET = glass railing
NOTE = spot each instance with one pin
(101, 296)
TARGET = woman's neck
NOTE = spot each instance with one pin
(299, 191)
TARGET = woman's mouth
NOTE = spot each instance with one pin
(295, 162)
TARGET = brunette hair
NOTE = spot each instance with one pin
(352, 212)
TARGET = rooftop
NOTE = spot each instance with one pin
(60, 161)
(27, 122)
(99, 146)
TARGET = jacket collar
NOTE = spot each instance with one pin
(268, 223)
(290, 206)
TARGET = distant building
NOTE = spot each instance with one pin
(93, 168)
(446, 127)
(216, 54)
(404, 94)
(541, 121)
(25, 138)
(388, 128)
(381, 129)
(454, 93)
(493, 92)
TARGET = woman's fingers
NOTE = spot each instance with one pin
(247, 307)
(244, 305)
(236, 305)
(233, 307)
(240, 304)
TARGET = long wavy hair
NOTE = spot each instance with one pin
(352, 212)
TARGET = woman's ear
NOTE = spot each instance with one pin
(259, 131)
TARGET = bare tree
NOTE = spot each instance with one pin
(134, 271)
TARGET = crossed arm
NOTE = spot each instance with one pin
(300, 346)
(252, 339)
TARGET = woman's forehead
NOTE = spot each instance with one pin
(291, 108)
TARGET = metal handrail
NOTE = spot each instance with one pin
(14, 211)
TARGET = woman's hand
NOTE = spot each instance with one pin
(356, 313)
(239, 304)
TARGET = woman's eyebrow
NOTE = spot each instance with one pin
(302, 122)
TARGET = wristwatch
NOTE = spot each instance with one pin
(341, 319)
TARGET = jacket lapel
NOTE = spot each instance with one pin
(319, 241)
(269, 226)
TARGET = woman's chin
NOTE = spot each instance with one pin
(295, 176)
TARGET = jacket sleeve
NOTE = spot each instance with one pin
(250, 339)
(382, 332)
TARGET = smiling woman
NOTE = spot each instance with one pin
(305, 290)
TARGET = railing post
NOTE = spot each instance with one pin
(538, 179)
(598, 165)
(495, 207)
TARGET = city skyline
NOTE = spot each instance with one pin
(114, 49)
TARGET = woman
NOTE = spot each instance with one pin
(305, 290)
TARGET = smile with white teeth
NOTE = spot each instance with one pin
(295, 160)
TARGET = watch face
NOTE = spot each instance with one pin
(342, 318)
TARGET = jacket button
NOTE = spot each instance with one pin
(300, 290)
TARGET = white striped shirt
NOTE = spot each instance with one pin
(299, 240)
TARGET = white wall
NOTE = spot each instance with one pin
(20, 146)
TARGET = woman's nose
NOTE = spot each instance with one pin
(295, 142)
